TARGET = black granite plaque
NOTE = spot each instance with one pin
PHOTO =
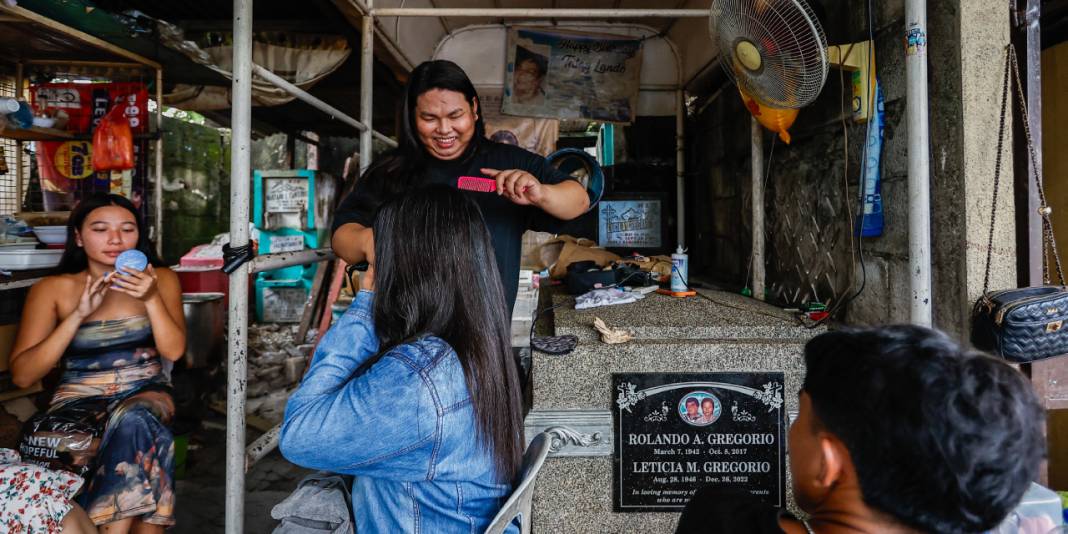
(677, 432)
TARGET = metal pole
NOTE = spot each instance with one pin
(918, 162)
(268, 262)
(540, 13)
(680, 167)
(307, 98)
(240, 182)
(757, 159)
(367, 43)
(158, 188)
(262, 446)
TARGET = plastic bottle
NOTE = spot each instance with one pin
(680, 270)
(20, 118)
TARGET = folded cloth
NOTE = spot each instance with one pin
(606, 297)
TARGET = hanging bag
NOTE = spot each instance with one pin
(113, 141)
(1031, 323)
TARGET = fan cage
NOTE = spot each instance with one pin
(792, 46)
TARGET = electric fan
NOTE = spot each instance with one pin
(774, 50)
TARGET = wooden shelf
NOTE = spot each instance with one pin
(37, 134)
(51, 134)
(23, 278)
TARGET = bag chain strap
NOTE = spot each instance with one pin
(1043, 210)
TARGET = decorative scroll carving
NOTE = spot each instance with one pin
(563, 436)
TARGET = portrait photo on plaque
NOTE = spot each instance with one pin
(700, 408)
(678, 432)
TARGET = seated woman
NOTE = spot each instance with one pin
(108, 331)
(414, 390)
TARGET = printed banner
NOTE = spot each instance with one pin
(84, 104)
(536, 135)
(65, 167)
(572, 75)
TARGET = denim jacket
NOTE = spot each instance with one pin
(405, 427)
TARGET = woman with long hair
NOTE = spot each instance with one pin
(443, 139)
(108, 330)
(414, 390)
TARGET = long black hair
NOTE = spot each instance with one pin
(74, 259)
(403, 168)
(462, 303)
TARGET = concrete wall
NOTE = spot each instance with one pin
(809, 256)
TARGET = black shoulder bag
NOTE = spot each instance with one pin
(1030, 323)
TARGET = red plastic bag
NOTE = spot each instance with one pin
(113, 142)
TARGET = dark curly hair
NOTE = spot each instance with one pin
(943, 439)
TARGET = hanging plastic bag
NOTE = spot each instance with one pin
(775, 119)
(113, 142)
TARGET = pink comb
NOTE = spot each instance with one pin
(472, 183)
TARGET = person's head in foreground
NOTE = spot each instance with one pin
(901, 428)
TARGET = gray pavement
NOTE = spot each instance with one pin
(201, 493)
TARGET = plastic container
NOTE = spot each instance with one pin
(203, 256)
(51, 235)
(680, 271)
(23, 260)
(131, 259)
(22, 117)
(1039, 511)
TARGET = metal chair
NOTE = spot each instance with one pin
(519, 503)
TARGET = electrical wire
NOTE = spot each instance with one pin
(857, 250)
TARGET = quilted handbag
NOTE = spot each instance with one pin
(1031, 323)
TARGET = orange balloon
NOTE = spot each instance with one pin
(775, 119)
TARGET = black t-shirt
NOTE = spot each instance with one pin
(708, 512)
(505, 220)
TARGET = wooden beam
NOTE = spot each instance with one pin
(77, 63)
(90, 40)
(397, 61)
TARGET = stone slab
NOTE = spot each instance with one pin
(582, 380)
(717, 332)
(574, 495)
(713, 315)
